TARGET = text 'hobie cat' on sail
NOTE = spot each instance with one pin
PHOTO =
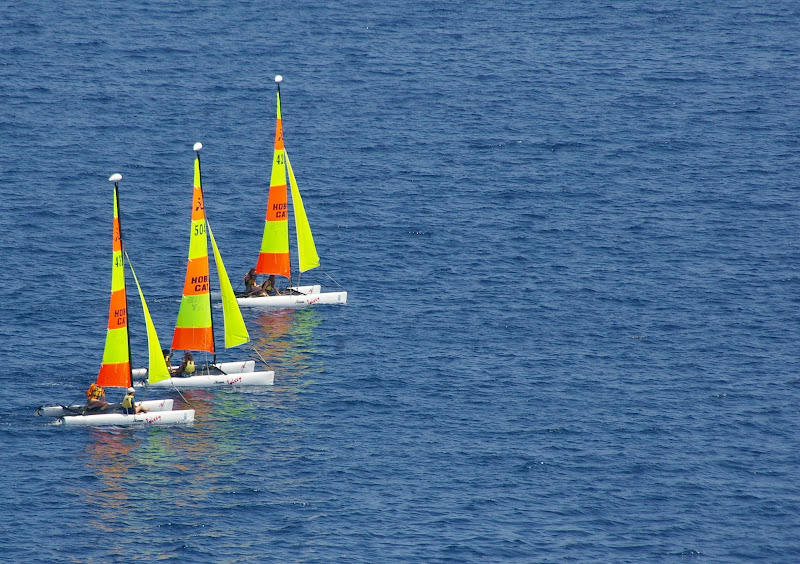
(273, 259)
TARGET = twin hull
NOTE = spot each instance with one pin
(221, 367)
(265, 378)
(181, 416)
(61, 410)
(306, 296)
(295, 300)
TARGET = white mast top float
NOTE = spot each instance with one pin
(197, 146)
(115, 177)
(278, 78)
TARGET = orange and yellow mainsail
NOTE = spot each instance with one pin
(193, 330)
(116, 367)
(274, 255)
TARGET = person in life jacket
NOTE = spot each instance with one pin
(96, 399)
(167, 358)
(129, 406)
(269, 286)
(266, 289)
(250, 280)
(186, 367)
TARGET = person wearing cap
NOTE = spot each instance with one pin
(129, 406)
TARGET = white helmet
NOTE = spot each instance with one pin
(131, 391)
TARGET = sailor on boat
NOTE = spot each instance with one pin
(266, 289)
(269, 286)
(250, 280)
(186, 367)
(129, 406)
(96, 399)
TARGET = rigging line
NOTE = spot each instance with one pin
(171, 381)
(68, 408)
(259, 355)
(329, 276)
(208, 367)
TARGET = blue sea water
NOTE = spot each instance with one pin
(568, 230)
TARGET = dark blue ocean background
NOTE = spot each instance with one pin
(569, 233)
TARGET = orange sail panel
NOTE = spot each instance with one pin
(193, 330)
(116, 367)
(274, 255)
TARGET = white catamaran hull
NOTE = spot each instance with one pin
(306, 296)
(294, 301)
(61, 410)
(219, 368)
(181, 416)
(265, 378)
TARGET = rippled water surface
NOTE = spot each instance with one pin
(569, 233)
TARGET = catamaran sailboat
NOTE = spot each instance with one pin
(115, 370)
(273, 258)
(194, 328)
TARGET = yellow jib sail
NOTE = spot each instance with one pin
(193, 329)
(116, 367)
(235, 329)
(157, 368)
(306, 250)
(274, 255)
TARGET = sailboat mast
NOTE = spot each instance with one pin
(115, 178)
(197, 147)
(273, 257)
(278, 80)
